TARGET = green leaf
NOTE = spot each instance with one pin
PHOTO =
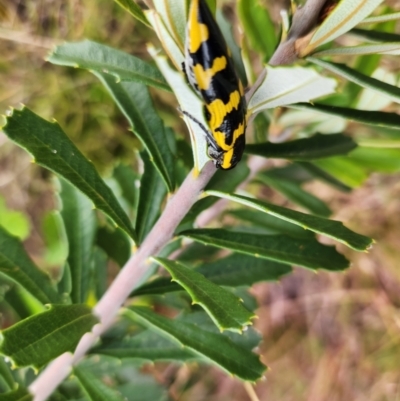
(134, 101)
(114, 243)
(54, 150)
(224, 308)
(103, 59)
(126, 178)
(375, 36)
(146, 345)
(101, 272)
(80, 225)
(23, 302)
(55, 238)
(324, 176)
(6, 375)
(379, 118)
(281, 248)
(295, 193)
(344, 169)
(233, 271)
(216, 347)
(292, 172)
(382, 48)
(386, 160)
(16, 223)
(249, 339)
(16, 265)
(360, 79)
(151, 197)
(259, 28)
(316, 147)
(269, 224)
(94, 388)
(330, 228)
(20, 394)
(344, 16)
(64, 286)
(38, 339)
(134, 9)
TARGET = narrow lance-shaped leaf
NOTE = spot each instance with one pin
(376, 159)
(134, 101)
(224, 308)
(287, 85)
(360, 79)
(134, 9)
(331, 228)
(16, 264)
(173, 15)
(146, 345)
(381, 48)
(269, 224)
(281, 248)
(94, 388)
(324, 176)
(295, 193)
(80, 225)
(215, 347)
(259, 28)
(15, 222)
(381, 18)
(190, 103)
(152, 194)
(316, 147)
(233, 271)
(55, 238)
(115, 243)
(379, 118)
(52, 149)
(127, 178)
(344, 16)
(344, 169)
(375, 36)
(96, 57)
(38, 339)
(20, 394)
(8, 381)
(171, 47)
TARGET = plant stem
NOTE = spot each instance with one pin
(127, 280)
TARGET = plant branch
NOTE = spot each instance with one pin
(128, 279)
(304, 21)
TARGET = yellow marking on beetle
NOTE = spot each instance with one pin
(204, 77)
(218, 109)
(227, 159)
(220, 137)
(198, 33)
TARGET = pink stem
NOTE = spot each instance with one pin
(128, 279)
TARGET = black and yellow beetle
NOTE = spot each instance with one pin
(211, 72)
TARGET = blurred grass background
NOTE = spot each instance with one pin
(326, 336)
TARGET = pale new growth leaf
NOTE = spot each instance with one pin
(189, 103)
(288, 85)
(345, 16)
